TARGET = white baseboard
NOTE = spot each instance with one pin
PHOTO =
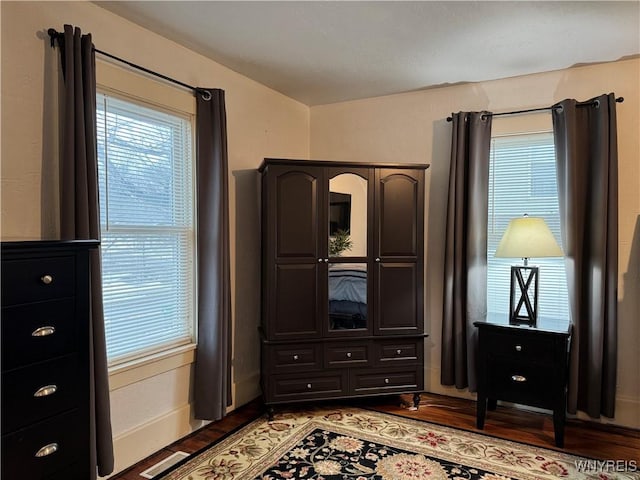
(138, 443)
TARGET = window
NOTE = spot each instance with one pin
(145, 175)
(522, 179)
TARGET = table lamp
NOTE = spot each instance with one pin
(526, 237)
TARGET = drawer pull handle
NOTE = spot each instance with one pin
(308, 386)
(398, 352)
(296, 357)
(348, 354)
(47, 450)
(518, 348)
(46, 391)
(377, 259)
(386, 380)
(46, 279)
(43, 331)
(518, 378)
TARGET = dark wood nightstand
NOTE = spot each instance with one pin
(525, 365)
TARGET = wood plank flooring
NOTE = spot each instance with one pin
(581, 438)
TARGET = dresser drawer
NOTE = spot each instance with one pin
(37, 331)
(399, 352)
(41, 390)
(344, 355)
(520, 345)
(523, 382)
(293, 358)
(37, 279)
(299, 387)
(369, 381)
(67, 434)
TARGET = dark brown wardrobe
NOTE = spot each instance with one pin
(342, 279)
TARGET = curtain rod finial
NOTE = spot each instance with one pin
(53, 33)
(620, 99)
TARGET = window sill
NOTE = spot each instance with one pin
(137, 370)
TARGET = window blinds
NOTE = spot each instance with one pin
(145, 175)
(522, 179)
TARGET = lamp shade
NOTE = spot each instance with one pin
(528, 237)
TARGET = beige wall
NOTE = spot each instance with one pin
(150, 404)
(411, 127)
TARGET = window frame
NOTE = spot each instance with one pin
(122, 83)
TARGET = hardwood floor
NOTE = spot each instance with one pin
(581, 438)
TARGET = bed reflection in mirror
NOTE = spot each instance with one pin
(347, 296)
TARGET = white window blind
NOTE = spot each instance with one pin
(145, 175)
(522, 179)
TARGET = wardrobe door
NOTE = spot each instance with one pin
(295, 225)
(399, 247)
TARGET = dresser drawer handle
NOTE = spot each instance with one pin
(348, 354)
(398, 352)
(46, 391)
(47, 450)
(46, 279)
(518, 378)
(296, 357)
(386, 380)
(309, 386)
(518, 348)
(43, 331)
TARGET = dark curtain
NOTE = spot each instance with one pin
(213, 355)
(80, 216)
(587, 161)
(465, 270)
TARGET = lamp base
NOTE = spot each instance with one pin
(523, 302)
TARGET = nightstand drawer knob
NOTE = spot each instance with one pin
(46, 279)
(296, 357)
(518, 348)
(46, 391)
(518, 378)
(43, 331)
(47, 450)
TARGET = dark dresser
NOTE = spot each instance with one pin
(45, 359)
(524, 365)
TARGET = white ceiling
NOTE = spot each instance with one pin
(331, 51)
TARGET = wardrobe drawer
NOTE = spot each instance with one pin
(287, 388)
(364, 382)
(37, 331)
(292, 358)
(37, 279)
(39, 391)
(343, 355)
(399, 352)
(61, 441)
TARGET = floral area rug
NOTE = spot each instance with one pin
(355, 444)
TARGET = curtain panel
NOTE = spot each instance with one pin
(80, 217)
(213, 354)
(465, 271)
(587, 163)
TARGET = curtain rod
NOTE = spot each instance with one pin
(206, 95)
(517, 112)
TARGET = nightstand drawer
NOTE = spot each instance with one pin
(46, 448)
(38, 331)
(346, 355)
(399, 352)
(520, 345)
(36, 392)
(37, 279)
(364, 382)
(522, 382)
(292, 358)
(287, 387)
